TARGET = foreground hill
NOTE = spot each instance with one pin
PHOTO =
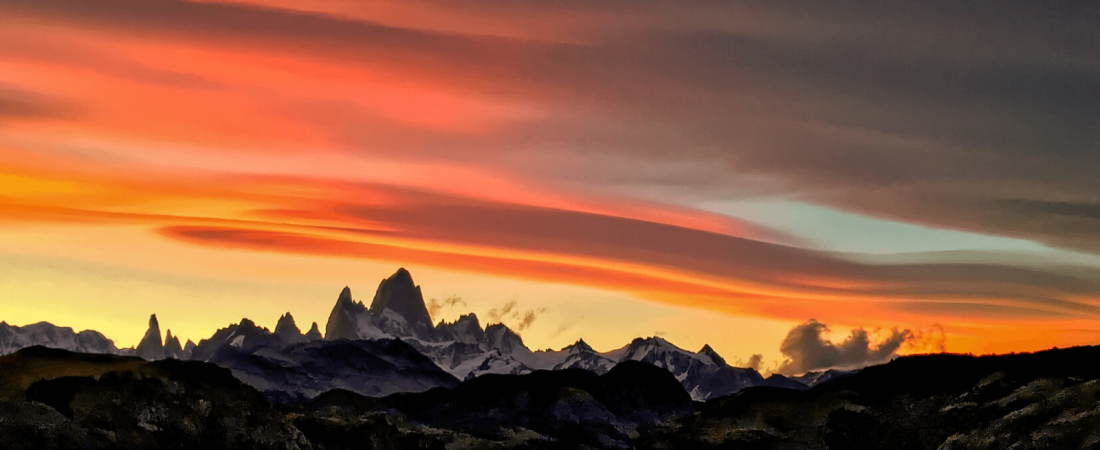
(126, 402)
(55, 399)
(58, 399)
(375, 368)
(1044, 400)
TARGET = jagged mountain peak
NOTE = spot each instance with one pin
(713, 355)
(579, 346)
(465, 318)
(341, 324)
(247, 323)
(242, 335)
(498, 327)
(399, 294)
(314, 334)
(653, 341)
(287, 321)
(652, 349)
(288, 331)
(172, 347)
(345, 297)
(499, 336)
(467, 329)
(151, 347)
(402, 274)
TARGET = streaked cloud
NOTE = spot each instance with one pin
(568, 142)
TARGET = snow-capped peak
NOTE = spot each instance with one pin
(654, 348)
(579, 346)
(500, 337)
(708, 352)
(13, 338)
(466, 329)
(492, 361)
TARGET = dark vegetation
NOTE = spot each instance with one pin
(57, 399)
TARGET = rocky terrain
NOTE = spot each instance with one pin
(53, 398)
(384, 377)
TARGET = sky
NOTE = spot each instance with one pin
(844, 181)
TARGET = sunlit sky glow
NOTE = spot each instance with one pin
(710, 172)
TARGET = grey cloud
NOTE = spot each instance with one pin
(755, 362)
(1072, 209)
(933, 113)
(806, 348)
(926, 286)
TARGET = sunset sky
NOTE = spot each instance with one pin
(709, 172)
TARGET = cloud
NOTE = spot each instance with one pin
(986, 126)
(755, 362)
(712, 270)
(567, 324)
(496, 314)
(434, 306)
(524, 319)
(607, 237)
(932, 341)
(979, 127)
(600, 250)
(807, 348)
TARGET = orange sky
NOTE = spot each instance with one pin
(208, 160)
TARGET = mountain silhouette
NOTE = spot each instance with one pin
(399, 294)
(151, 347)
(285, 362)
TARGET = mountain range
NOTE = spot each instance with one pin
(393, 347)
(383, 377)
(57, 399)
